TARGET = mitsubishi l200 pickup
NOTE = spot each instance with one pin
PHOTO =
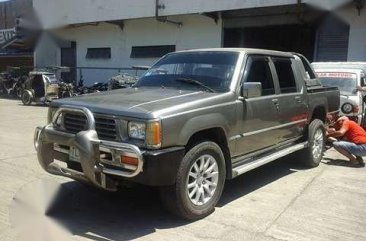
(193, 120)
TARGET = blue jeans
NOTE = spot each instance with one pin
(357, 150)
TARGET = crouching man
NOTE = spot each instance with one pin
(353, 143)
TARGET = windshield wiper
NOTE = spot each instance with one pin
(195, 82)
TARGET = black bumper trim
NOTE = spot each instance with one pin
(160, 167)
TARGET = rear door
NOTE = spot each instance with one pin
(258, 117)
(293, 108)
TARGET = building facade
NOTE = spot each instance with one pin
(96, 34)
(14, 51)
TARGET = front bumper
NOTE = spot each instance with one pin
(155, 168)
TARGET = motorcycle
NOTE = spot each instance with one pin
(66, 90)
(11, 86)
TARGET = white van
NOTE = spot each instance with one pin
(347, 76)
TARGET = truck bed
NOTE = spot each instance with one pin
(316, 93)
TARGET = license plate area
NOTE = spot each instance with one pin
(74, 154)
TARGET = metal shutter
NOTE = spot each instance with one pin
(332, 40)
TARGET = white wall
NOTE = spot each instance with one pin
(197, 32)
(47, 52)
(53, 13)
(357, 37)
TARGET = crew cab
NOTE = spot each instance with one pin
(347, 76)
(193, 120)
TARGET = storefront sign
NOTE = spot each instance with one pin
(6, 35)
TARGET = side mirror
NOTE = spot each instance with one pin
(251, 90)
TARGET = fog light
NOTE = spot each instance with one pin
(129, 160)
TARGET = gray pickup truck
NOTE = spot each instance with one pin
(193, 120)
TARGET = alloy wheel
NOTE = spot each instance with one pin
(202, 180)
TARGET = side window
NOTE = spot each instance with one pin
(286, 77)
(309, 72)
(258, 70)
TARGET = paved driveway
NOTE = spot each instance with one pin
(280, 201)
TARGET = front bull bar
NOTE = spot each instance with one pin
(88, 144)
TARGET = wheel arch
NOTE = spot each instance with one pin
(217, 135)
(319, 112)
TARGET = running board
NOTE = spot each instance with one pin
(264, 160)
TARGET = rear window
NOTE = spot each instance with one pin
(346, 82)
(285, 75)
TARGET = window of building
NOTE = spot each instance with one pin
(259, 71)
(98, 53)
(285, 75)
(151, 51)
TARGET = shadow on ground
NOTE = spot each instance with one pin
(136, 212)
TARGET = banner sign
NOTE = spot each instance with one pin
(336, 75)
(6, 35)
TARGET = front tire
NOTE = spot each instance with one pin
(26, 98)
(313, 154)
(199, 183)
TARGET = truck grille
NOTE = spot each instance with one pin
(105, 127)
(74, 122)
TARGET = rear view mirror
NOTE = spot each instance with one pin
(251, 89)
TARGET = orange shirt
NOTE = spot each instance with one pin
(354, 132)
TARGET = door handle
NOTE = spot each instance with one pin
(298, 99)
(275, 102)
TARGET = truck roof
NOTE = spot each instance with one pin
(340, 65)
(246, 50)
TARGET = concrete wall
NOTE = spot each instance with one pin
(357, 35)
(47, 52)
(197, 32)
(53, 13)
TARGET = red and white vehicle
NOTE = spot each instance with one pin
(347, 76)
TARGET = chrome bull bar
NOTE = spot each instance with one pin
(88, 145)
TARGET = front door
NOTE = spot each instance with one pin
(258, 117)
(68, 59)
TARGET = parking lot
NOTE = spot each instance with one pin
(279, 201)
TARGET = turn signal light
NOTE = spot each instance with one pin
(153, 134)
(129, 160)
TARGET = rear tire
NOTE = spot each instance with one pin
(313, 154)
(199, 183)
(27, 98)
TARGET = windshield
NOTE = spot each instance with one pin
(50, 78)
(192, 70)
(346, 82)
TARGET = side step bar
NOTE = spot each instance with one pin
(266, 159)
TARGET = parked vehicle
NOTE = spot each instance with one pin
(346, 76)
(195, 119)
(40, 87)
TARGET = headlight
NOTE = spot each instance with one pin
(347, 108)
(149, 132)
(137, 130)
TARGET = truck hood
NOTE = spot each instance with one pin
(135, 102)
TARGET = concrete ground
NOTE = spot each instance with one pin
(279, 201)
